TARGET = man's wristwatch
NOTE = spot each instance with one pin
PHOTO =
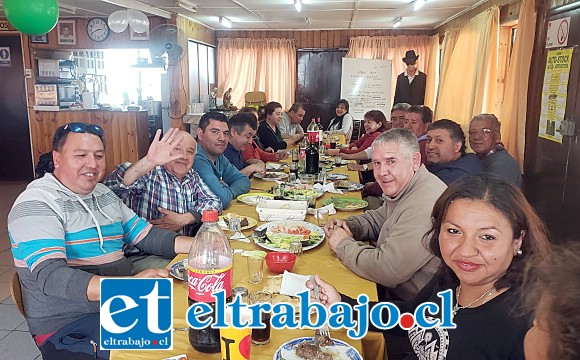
(365, 167)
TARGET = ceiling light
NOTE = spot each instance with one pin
(397, 22)
(187, 5)
(67, 9)
(225, 22)
(418, 4)
(298, 5)
(137, 5)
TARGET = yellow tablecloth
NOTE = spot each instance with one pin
(320, 260)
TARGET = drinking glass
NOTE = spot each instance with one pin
(337, 160)
(234, 226)
(296, 248)
(261, 336)
(291, 178)
(321, 177)
(322, 216)
(255, 269)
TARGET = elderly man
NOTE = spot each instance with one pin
(215, 169)
(162, 187)
(396, 257)
(446, 156)
(67, 231)
(290, 126)
(485, 140)
(242, 130)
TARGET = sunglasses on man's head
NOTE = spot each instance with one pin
(85, 128)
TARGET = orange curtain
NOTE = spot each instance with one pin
(267, 65)
(393, 48)
(513, 110)
(469, 69)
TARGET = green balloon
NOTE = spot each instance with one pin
(32, 17)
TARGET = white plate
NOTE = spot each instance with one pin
(176, 273)
(333, 177)
(268, 246)
(344, 350)
(251, 223)
(278, 176)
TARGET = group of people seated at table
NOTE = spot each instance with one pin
(481, 230)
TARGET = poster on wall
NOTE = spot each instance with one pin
(66, 32)
(558, 31)
(554, 93)
(366, 84)
(5, 60)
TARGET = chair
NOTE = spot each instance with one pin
(255, 99)
(16, 293)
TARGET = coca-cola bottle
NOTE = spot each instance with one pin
(312, 155)
(209, 270)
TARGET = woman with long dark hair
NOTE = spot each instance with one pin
(342, 123)
(483, 230)
(268, 131)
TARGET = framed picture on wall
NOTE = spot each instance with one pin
(139, 36)
(39, 39)
(66, 32)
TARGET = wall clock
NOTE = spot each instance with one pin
(98, 29)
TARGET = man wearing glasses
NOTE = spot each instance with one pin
(485, 140)
(411, 83)
(67, 231)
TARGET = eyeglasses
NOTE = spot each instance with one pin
(482, 132)
(84, 128)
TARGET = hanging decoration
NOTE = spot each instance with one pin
(136, 20)
(118, 21)
(32, 17)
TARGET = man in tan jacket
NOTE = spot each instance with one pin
(395, 256)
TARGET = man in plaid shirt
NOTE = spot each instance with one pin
(162, 187)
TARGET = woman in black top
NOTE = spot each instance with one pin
(483, 229)
(268, 130)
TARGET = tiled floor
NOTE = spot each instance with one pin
(15, 340)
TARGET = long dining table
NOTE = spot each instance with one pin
(320, 260)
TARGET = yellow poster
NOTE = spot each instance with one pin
(554, 93)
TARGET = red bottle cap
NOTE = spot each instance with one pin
(210, 215)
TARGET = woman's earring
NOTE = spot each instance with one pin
(519, 252)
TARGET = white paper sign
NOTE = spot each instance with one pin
(558, 31)
(5, 60)
(366, 84)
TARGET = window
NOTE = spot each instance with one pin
(201, 72)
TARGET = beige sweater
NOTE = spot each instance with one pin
(397, 257)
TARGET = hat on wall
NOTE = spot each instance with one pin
(410, 57)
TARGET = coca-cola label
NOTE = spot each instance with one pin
(313, 136)
(202, 284)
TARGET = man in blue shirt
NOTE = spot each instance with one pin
(215, 169)
(242, 130)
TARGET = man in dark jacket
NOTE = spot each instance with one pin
(411, 83)
(446, 157)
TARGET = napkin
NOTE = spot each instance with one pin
(293, 284)
(274, 166)
(328, 187)
(222, 223)
(239, 236)
(329, 207)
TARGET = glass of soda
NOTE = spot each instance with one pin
(261, 336)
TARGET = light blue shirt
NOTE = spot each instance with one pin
(222, 177)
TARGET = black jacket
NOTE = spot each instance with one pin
(413, 93)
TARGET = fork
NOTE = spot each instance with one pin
(323, 330)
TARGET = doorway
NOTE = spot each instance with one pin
(16, 159)
(318, 85)
(552, 170)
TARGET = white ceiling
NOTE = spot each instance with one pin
(282, 15)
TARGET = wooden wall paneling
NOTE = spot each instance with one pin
(316, 42)
(324, 39)
(196, 31)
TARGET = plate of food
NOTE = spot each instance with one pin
(346, 203)
(301, 192)
(280, 234)
(334, 177)
(303, 348)
(348, 185)
(179, 269)
(246, 222)
(254, 198)
(271, 175)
